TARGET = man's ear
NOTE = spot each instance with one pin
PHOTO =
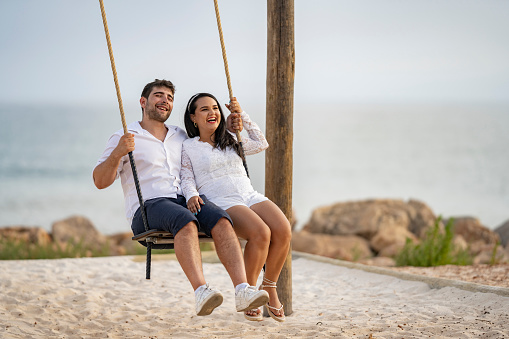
(143, 102)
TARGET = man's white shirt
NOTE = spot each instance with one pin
(157, 164)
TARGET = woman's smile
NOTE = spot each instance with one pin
(206, 114)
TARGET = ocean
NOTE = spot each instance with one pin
(455, 158)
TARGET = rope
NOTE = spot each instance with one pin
(149, 260)
(228, 81)
(124, 125)
(223, 49)
(112, 61)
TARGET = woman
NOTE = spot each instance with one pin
(212, 165)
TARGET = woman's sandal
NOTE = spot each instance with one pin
(272, 284)
(257, 317)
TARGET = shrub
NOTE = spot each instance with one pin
(437, 248)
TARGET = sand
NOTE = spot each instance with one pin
(109, 298)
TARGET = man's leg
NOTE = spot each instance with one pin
(171, 215)
(216, 222)
(187, 250)
(188, 253)
(249, 226)
(228, 250)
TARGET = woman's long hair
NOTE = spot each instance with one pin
(222, 138)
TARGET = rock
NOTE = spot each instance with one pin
(365, 218)
(379, 261)
(421, 218)
(503, 232)
(349, 248)
(486, 255)
(472, 231)
(79, 230)
(350, 218)
(32, 235)
(506, 250)
(476, 247)
(122, 243)
(293, 222)
(459, 243)
(390, 240)
(391, 251)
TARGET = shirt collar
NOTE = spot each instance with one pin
(136, 128)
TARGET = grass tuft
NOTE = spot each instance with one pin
(437, 248)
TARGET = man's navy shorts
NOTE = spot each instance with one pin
(171, 215)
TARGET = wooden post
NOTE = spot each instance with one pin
(279, 122)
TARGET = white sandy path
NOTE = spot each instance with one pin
(109, 298)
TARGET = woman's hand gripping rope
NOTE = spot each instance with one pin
(234, 121)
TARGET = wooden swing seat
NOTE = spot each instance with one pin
(161, 237)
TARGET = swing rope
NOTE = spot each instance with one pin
(113, 68)
(124, 125)
(223, 49)
(228, 81)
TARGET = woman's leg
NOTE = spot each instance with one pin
(281, 235)
(250, 227)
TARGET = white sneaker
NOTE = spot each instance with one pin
(249, 298)
(207, 300)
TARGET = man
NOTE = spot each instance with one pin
(158, 158)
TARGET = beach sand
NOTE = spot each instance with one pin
(110, 298)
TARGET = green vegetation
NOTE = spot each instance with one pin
(20, 250)
(14, 250)
(494, 260)
(207, 246)
(356, 253)
(437, 248)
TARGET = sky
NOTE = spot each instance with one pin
(55, 51)
(347, 53)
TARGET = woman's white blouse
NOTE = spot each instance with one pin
(216, 173)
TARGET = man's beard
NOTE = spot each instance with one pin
(154, 114)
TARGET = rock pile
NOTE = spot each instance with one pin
(375, 231)
(75, 230)
(369, 231)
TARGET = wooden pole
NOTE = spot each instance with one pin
(279, 122)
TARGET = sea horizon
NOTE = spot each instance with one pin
(452, 157)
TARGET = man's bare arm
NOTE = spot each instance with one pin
(105, 173)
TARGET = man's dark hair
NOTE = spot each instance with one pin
(157, 83)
